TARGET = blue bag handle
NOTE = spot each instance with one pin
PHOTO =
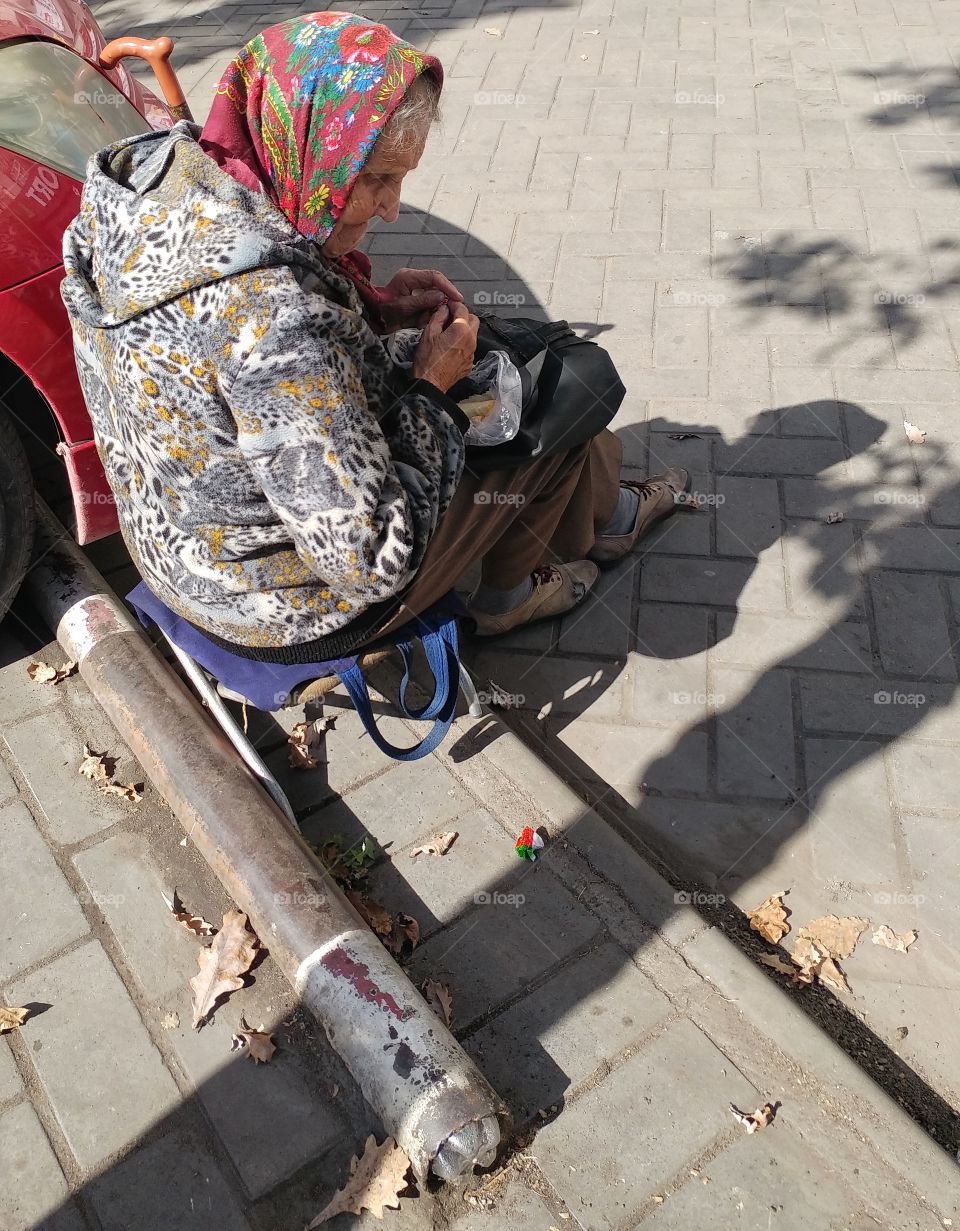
(442, 652)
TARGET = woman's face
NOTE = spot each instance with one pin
(376, 193)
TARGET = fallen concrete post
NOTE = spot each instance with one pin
(427, 1092)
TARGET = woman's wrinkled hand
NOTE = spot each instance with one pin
(447, 346)
(414, 294)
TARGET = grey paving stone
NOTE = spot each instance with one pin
(749, 1182)
(711, 582)
(755, 736)
(8, 788)
(852, 829)
(760, 641)
(103, 1097)
(496, 950)
(634, 758)
(48, 751)
(39, 912)
(672, 1098)
(436, 890)
(18, 695)
(582, 686)
(272, 1119)
(172, 1183)
(748, 515)
(778, 457)
(911, 625)
(723, 845)
(516, 1206)
(10, 1083)
(670, 691)
(876, 707)
(408, 801)
(548, 1044)
(925, 775)
(125, 884)
(33, 1192)
(605, 624)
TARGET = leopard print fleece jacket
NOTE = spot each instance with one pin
(275, 473)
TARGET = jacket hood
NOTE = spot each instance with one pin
(158, 218)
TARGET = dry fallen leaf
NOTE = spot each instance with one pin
(835, 516)
(438, 845)
(439, 997)
(373, 914)
(915, 435)
(900, 941)
(302, 739)
(43, 673)
(258, 1044)
(376, 1179)
(405, 928)
(770, 918)
(129, 790)
(193, 923)
(493, 31)
(170, 1021)
(10, 1019)
(778, 964)
(222, 965)
(758, 1119)
(831, 974)
(835, 935)
(96, 766)
(814, 962)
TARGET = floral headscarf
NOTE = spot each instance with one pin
(297, 112)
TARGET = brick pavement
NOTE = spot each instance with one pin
(749, 208)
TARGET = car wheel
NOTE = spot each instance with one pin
(17, 513)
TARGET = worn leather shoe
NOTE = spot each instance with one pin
(556, 588)
(658, 497)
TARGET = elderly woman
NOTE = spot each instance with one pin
(281, 483)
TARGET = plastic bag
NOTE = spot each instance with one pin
(497, 377)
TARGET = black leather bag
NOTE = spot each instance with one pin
(571, 389)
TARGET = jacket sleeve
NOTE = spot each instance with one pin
(360, 495)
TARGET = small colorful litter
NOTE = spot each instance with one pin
(528, 844)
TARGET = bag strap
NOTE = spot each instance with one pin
(441, 648)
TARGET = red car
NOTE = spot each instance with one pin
(59, 103)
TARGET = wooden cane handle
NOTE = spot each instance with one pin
(156, 52)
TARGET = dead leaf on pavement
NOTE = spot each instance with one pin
(814, 962)
(222, 965)
(915, 435)
(438, 845)
(43, 673)
(10, 1019)
(376, 1179)
(835, 935)
(129, 790)
(770, 918)
(96, 766)
(834, 517)
(258, 1044)
(439, 997)
(193, 923)
(493, 31)
(376, 918)
(405, 928)
(778, 964)
(900, 941)
(831, 974)
(758, 1119)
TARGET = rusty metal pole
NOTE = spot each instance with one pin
(428, 1093)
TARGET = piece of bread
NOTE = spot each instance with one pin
(477, 408)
